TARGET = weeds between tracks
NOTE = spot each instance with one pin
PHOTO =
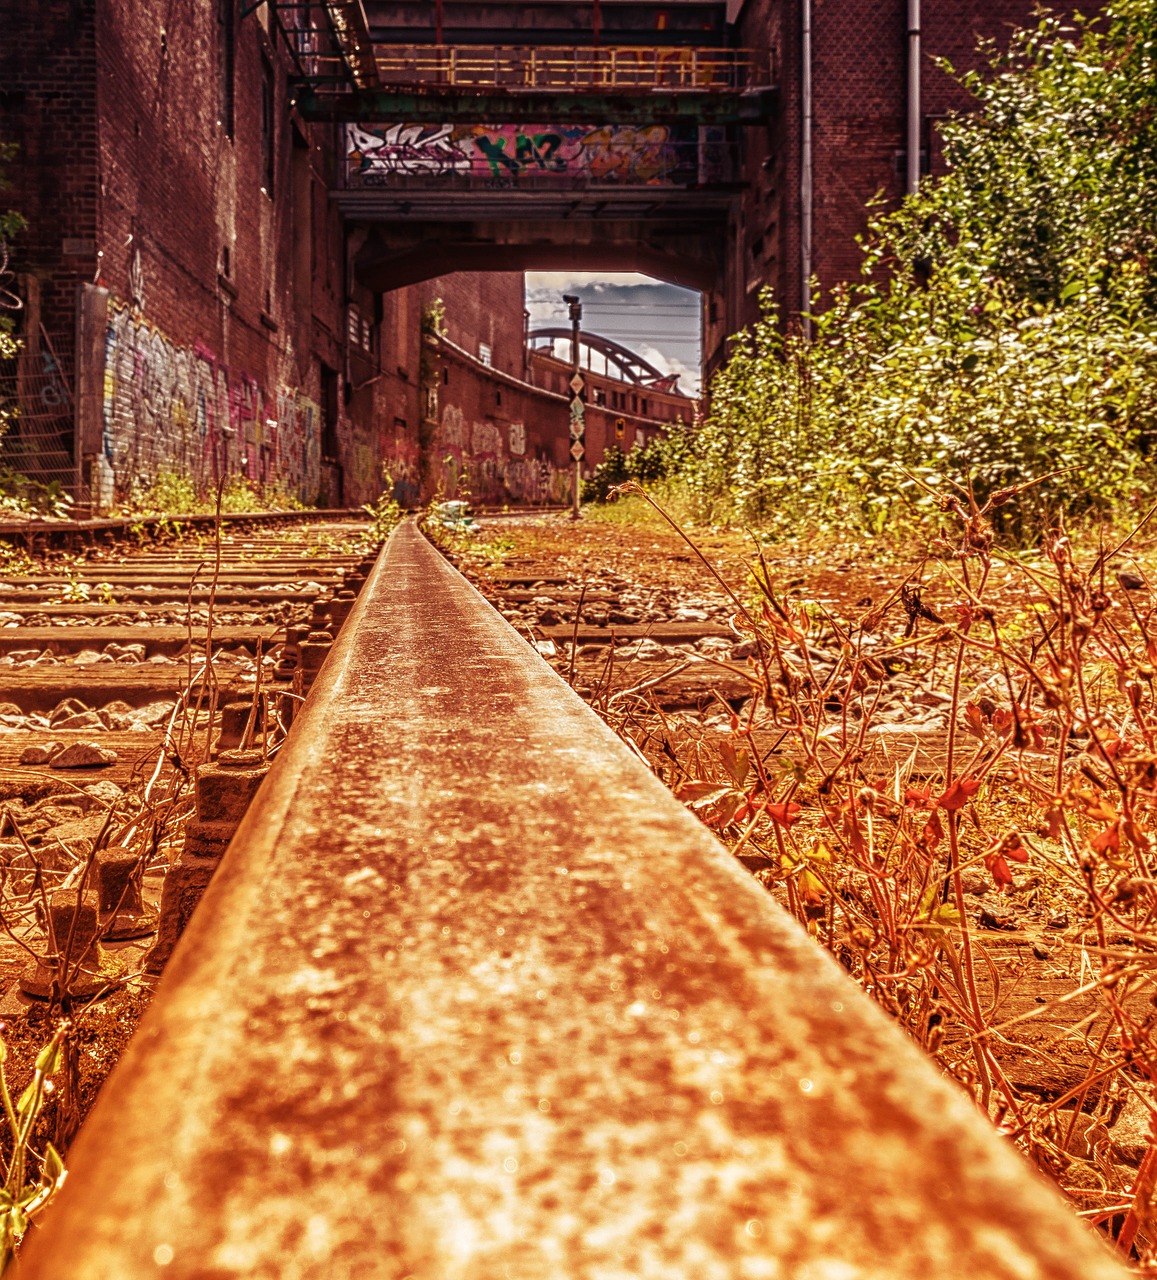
(1047, 765)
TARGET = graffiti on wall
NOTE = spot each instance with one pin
(504, 154)
(402, 471)
(169, 408)
(482, 460)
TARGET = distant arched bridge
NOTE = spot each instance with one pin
(632, 367)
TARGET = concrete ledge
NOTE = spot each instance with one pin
(472, 997)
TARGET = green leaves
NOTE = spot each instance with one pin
(1005, 327)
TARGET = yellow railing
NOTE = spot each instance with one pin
(617, 67)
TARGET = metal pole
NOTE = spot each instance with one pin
(577, 440)
(913, 96)
(438, 22)
(805, 177)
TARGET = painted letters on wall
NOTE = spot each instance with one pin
(484, 461)
(502, 155)
(176, 409)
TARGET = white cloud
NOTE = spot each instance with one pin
(565, 281)
(642, 313)
(688, 378)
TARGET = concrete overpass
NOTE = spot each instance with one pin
(598, 135)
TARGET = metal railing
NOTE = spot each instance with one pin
(621, 68)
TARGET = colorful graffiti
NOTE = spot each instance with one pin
(503, 154)
(480, 460)
(169, 408)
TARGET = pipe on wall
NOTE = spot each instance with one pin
(805, 177)
(913, 96)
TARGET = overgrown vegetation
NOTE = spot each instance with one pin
(650, 463)
(1004, 328)
(1040, 788)
(20, 495)
(173, 493)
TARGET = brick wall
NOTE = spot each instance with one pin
(498, 437)
(200, 249)
(48, 109)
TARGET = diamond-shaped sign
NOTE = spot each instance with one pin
(577, 452)
(577, 383)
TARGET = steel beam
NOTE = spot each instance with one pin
(472, 996)
(753, 106)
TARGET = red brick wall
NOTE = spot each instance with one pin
(484, 307)
(490, 438)
(227, 338)
(48, 108)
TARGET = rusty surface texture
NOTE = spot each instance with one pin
(473, 997)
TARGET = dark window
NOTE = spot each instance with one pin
(330, 410)
(267, 130)
(226, 36)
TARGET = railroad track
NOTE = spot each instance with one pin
(472, 996)
(127, 676)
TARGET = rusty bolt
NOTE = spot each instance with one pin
(234, 718)
(340, 606)
(224, 789)
(313, 653)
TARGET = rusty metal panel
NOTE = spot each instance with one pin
(473, 997)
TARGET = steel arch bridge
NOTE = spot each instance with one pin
(632, 367)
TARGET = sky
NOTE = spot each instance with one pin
(657, 321)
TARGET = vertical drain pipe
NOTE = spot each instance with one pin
(805, 164)
(913, 96)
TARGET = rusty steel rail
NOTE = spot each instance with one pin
(472, 996)
(60, 533)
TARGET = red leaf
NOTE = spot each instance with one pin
(915, 799)
(699, 790)
(975, 718)
(959, 794)
(735, 762)
(1109, 838)
(785, 814)
(933, 831)
(1001, 875)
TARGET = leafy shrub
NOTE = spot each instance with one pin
(648, 463)
(1004, 328)
(21, 495)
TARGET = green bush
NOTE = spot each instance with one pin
(1004, 328)
(648, 463)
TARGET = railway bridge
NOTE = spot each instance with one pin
(514, 137)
